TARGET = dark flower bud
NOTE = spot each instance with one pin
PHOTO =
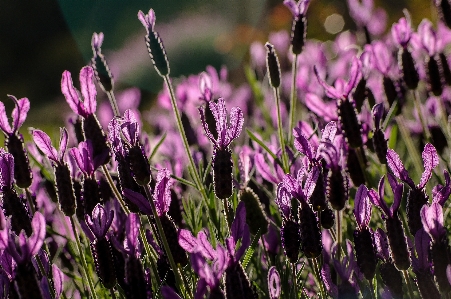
(397, 242)
(444, 9)
(222, 172)
(157, 53)
(175, 209)
(15, 207)
(416, 199)
(291, 240)
(390, 90)
(298, 34)
(440, 255)
(93, 131)
(353, 167)
(102, 72)
(434, 76)
(407, 66)
(165, 272)
(445, 68)
(139, 165)
(26, 281)
(327, 218)
(337, 189)
(126, 181)
(80, 210)
(237, 284)
(255, 216)
(426, 285)
(22, 170)
(311, 244)
(365, 252)
(78, 129)
(350, 125)
(380, 146)
(105, 189)
(392, 278)
(65, 189)
(360, 94)
(191, 135)
(272, 64)
(119, 266)
(135, 279)
(90, 194)
(170, 231)
(103, 260)
(318, 197)
(49, 188)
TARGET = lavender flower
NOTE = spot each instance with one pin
(417, 196)
(99, 64)
(222, 156)
(14, 140)
(86, 107)
(299, 27)
(379, 141)
(64, 184)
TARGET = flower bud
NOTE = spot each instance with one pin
(397, 242)
(237, 284)
(298, 34)
(356, 173)
(416, 199)
(222, 172)
(444, 8)
(26, 281)
(440, 255)
(139, 165)
(22, 170)
(170, 231)
(365, 252)
(157, 53)
(102, 72)
(134, 277)
(90, 195)
(434, 76)
(318, 197)
(103, 260)
(255, 216)
(380, 145)
(272, 64)
(93, 131)
(445, 68)
(337, 189)
(291, 240)
(311, 244)
(65, 189)
(327, 218)
(391, 277)
(407, 66)
(350, 125)
(15, 207)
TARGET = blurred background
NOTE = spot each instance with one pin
(41, 39)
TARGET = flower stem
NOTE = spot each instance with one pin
(279, 129)
(409, 285)
(115, 190)
(293, 98)
(417, 102)
(317, 273)
(165, 242)
(295, 284)
(196, 177)
(113, 102)
(413, 152)
(83, 260)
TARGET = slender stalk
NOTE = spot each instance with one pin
(417, 102)
(44, 273)
(360, 153)
(413, 152)
(165, 242)
(197, 179)
(115, 190)
(409, 285)
(280, 132)
(338, 236)
(317, 272)
(83, 260)
(113, 103)
(295, 283)
(228, 215)
(30, 201)
(372, 290)
(293, 98)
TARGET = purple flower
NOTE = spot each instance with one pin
(19, 115)
(377, 198)
(81, 106)
(226, 132)
(422, 245)
(402, 31)
(362, 207)
(365, 15)
(274, 283)
(148, 20)
(100, 221)
(44, 143)
(381, 242)
(297, 9)
(432, 219)
(341, 88)
(240, 231)
(96, 42)
(430, 161)
(381, 57)
(6, 170)
(131, 245)
(441, 193)
(428, 38)
(84, 157)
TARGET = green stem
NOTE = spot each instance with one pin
(83, 260)
(163, 239)
(318, 277)
(417, 102)
(413, 152)
(113, 103)
(279, 129)
(295, 283)
(293, 98)
(197, 179)
(115, 190)
(409, 285)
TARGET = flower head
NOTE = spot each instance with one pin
(402, 31)
(377, 198)
(96, 42)
(148, 20)
(87, 104)
(84, 157)
(362, 207)
(432, 219)
(100, 221)
(297, 9)
(226, 132)
(19, 115)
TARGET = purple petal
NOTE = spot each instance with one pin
(302, 144)
(422, 244)
(4, 123)
(245, 242)
(378, 114)
(328, 282)
(186, 240)
(311, 181)
(448, 273)
(274, 283)
(205, 247)
(355, 74)
(381, 242)
(169, 293)
(378, 201)
(139, 200)
(263, 169)
(201, 289)
(114, 136)
(100, 222)
(64, 139)
(430, 161)
(382, 57)
(88, 89)
(148, 20)
(236, 124)
(283, 200)
(57, 281)
(6, 169)
(71, 94)
(432, 219)
(292, 6)
(239, 222)
(441, 193)
(401, 32)
(205, 125)
(37, 237)
(130, 127)
(331, 92)
(219, 111)
(362, 207)
(132, 231)
(43, 142)
(162, 194)
(397, 193)
(329, 132)
(395, 164)
(20, 111)
(245, 164)
(96, 42)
